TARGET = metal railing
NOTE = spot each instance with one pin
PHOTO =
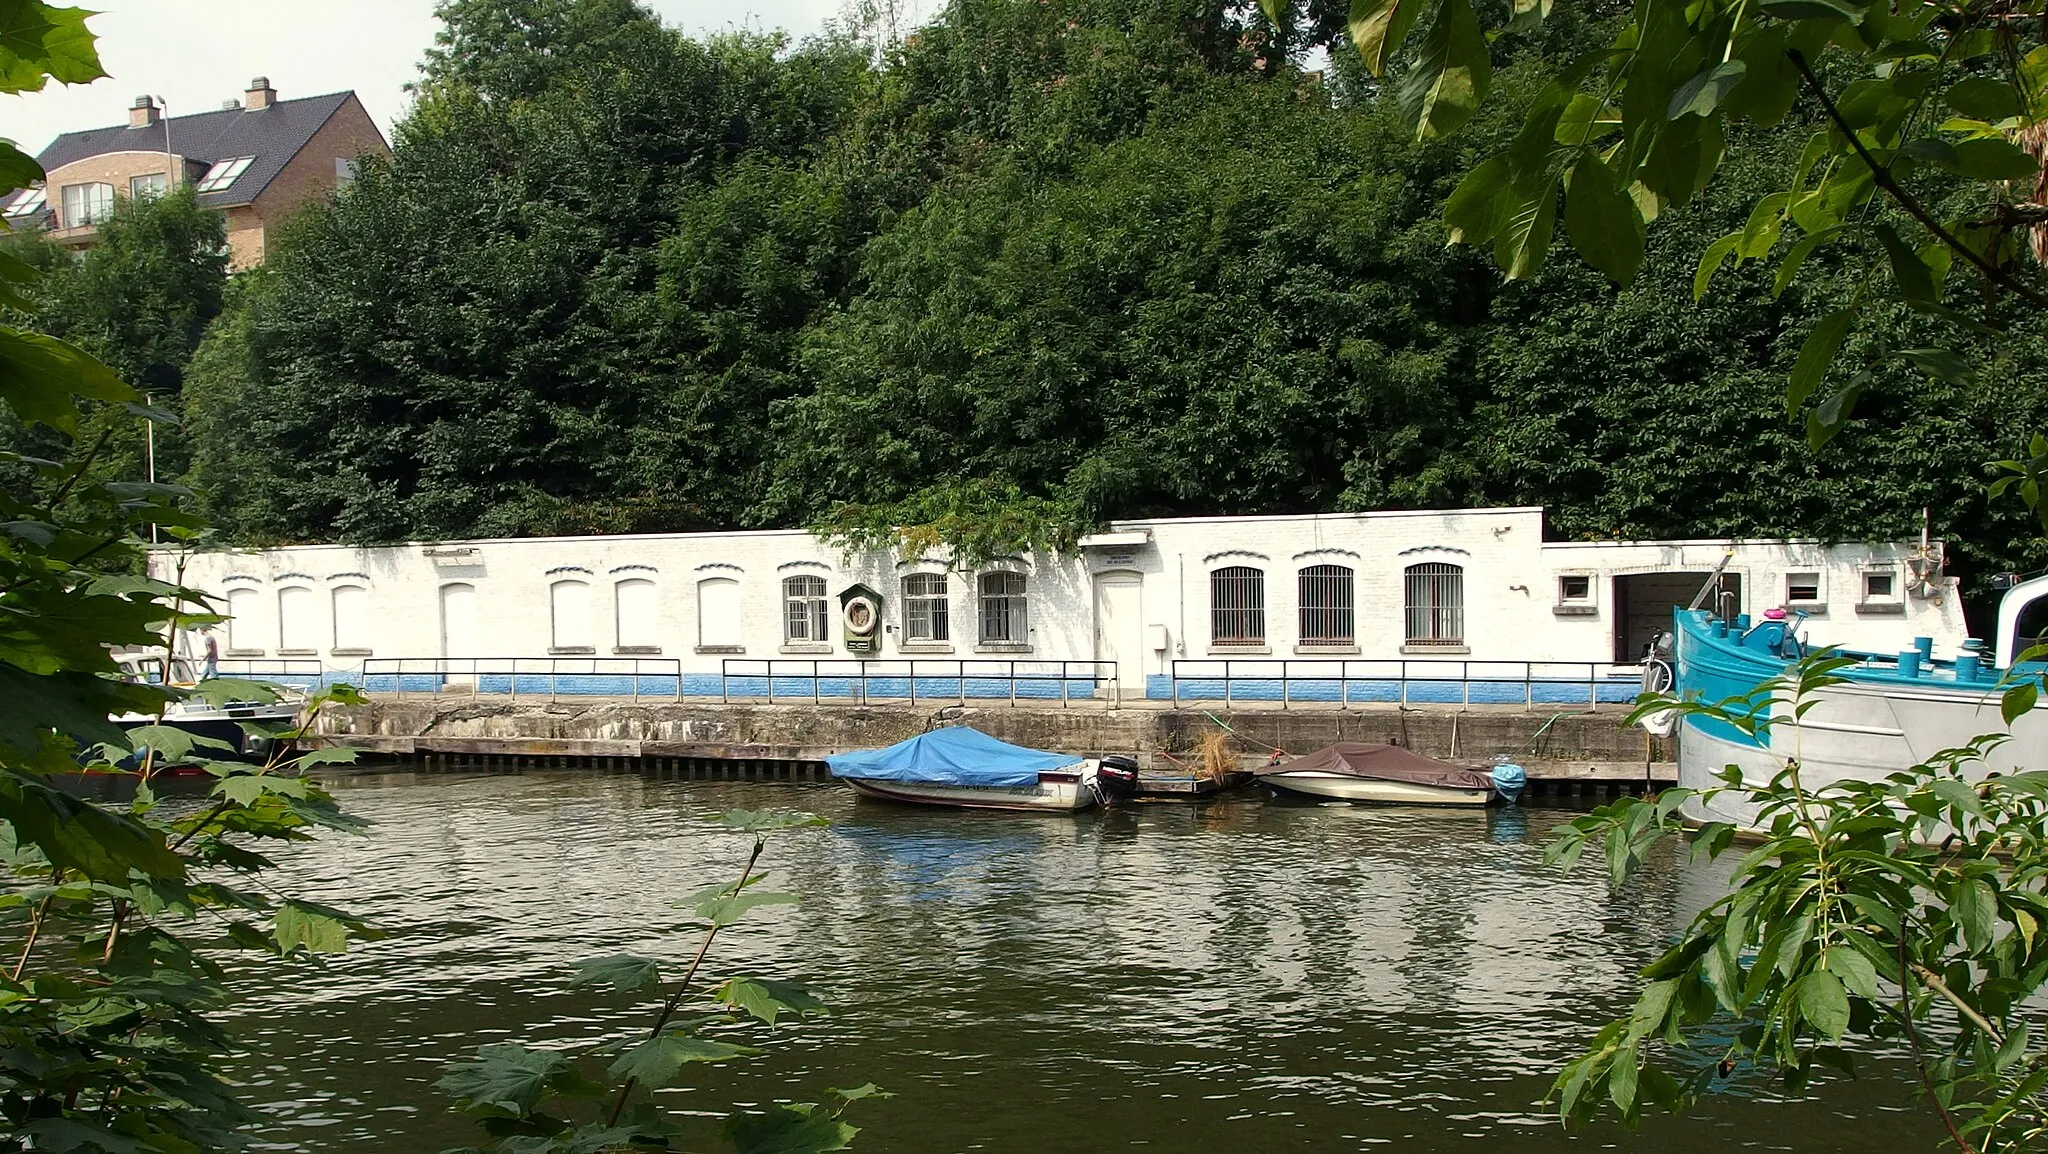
(1404, 681)
(913, 679)
(634, 677)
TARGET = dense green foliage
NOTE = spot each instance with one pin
(1118, 256)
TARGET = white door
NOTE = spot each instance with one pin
(1120, 625)
(458, 621)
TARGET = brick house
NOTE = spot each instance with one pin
(257, 160)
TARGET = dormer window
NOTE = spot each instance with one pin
(31, 202)
(223, 173)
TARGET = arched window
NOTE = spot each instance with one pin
(295, 620)
(569, 602)
(925, 608)
(1002, 609)
(803, 606)
(634, 607)
(1325, 606)
(718, 615)
(351, 619)
(1237, 606)
(1436, 604)
(244, 635)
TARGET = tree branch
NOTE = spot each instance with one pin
(1883, 178)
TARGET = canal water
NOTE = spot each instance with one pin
(1238, 976)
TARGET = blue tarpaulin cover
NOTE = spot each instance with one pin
(955, 755)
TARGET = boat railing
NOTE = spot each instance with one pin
(516, 677)
(819, 680)
(1404, 681)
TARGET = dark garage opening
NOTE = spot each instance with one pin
(1643, 603)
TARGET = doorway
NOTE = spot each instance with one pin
(1120, 625)
(1643, 603)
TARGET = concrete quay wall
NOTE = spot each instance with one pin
(1550, 744)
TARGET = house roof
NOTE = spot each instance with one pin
(272, 135)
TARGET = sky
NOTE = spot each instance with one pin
(195, 54)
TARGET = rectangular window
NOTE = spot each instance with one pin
(148, 184)
(1002, 609)
(634, 606)
(344, 172)
(718, 615)
(295, 620)
(803, 602)
(1326, 613)
(1880, 585)
(570, 605)
(87, 204)
(1435, 604)
(1574, 588)
(351, 619)
(29, 203)
(924, 608)
(1237, 606)
(223, 173)
(1802, 588)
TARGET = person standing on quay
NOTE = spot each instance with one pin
(211, 669)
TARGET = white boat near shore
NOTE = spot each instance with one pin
(964, 768)
(1390, 775)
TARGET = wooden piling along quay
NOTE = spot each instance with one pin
(716, 762)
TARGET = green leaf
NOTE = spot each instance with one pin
(1824, 1003)
(1602, 222)
(2019, 701)
(1994, 158)
(798, 1129)
(40, 43)
(1941, 364)
(1975, 909)
(507, 1077)
(1983, 98)
(1711, 261)
(82, 837)
(1815, 355)
(1621, 1078)
(1788, 266)
(722, 909)
(40, 375)
(766, 999)
(318, 929)
(1450, 74)
(1855, 971)
(1812, 10)
(621, 971)
(1378, 27)
(1959, 794)
(1473, 214)
(1702, 95)
(1526, 227)
(656, 1061)
(1909, 272)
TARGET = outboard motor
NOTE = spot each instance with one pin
(1117, 777)
(1508, 779)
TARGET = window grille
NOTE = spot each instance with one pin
(1237, 606)
(1002, 608)
(803, 602)
(1326, 614)
(1436, 604)
(924, 608)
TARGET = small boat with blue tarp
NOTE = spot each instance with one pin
(1358, 771)
(1888, 712)
(962, 766)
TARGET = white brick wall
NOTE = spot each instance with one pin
(1510, 587)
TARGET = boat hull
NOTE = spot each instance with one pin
(224, 725)
(1054, 793)
(1368, 790)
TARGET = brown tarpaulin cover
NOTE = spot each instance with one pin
(1385, 762)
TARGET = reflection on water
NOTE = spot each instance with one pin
(1235, 976)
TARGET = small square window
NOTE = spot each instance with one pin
(1880, 585)
(1802, 588)
(1574, 588)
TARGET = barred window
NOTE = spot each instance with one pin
(1326, 617)
(1237, 606)
(1436, 604)
(924, 608)
(803, 602)
(1002, 608)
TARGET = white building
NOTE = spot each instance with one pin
(1354, 594)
